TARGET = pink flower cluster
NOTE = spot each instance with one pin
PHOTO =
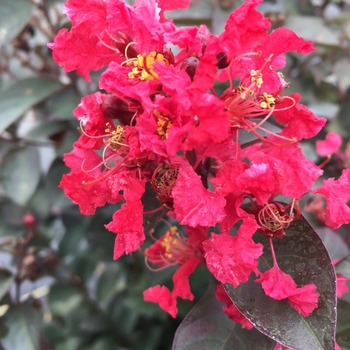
(160, 122)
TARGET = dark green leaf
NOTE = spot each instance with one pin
(76, 227)
(95, 324)
(302, 255)
(343, 325)
(111, 282)
(207, 327)
(104, 343)
(62, 103)
(56, 196)
(44, 130)
(6, 280)
(20, 97)
(63, 299)
(342, 73)
(38, 203)
(54, 332)
(23, 323)
(14, 16)
(84, 265)
(69, 344)
(20, 174)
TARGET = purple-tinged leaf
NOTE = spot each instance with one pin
(301, 254)
(334, 242)
(207, 327)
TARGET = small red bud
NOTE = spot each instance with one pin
(29, 220)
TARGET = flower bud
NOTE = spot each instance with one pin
(190, 66)
(114, 107)
(222, 60)
(29, 220)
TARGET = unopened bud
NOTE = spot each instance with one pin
(114, 107)
(29, 220)
(222, 60)
(190, 66)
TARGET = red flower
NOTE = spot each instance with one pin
(165, 298)
(81, 186)
(337, 194)
(232, 259)
(279, 285)
(193, 204)
(299, 121)
(128, 220)
(330, 145)
(162, 296)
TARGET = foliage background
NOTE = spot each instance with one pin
(59, 287)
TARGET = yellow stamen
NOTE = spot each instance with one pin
(143, 66)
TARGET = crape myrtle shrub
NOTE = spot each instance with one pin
(192, 154)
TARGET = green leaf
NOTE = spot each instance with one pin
(61, 105)
(56, 196)
(111, 282)
(342, 73)
(14, 16)
(6, 280)
(63, 299)
(83, 265)
(76, 226)
(302, 255)
(20, 97)
(343, 325)
(207, 327)
(312, 28)
(23, 323)
(20, 174)
(45, 130)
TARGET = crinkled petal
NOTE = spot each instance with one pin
(181, 279)
(127, 222)
(279, 285)
(330, 145)
(87, 196)
(304, 299)
(342, 286)
(205, 106)
(162, 296)
(337, 193)
(231, 259)
(73, 51)
(300, 122)
(193, 204)
(168, 5)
